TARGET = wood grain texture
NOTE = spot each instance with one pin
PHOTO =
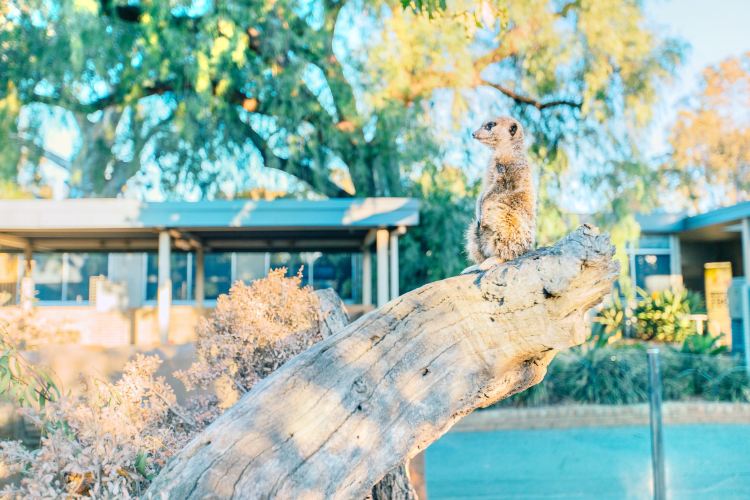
(334, 420)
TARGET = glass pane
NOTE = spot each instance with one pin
(652, 271)
(179, 276)
(334, 270)
(293, 261)
(47, 275)
(326, 270)
(181, 289)
(81, 267)
(218, 268)
(250, 266)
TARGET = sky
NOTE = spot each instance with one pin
(714, 30)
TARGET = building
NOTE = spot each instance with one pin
(124, 271)
(679, 250)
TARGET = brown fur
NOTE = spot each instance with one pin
(505, 224)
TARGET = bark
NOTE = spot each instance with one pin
(334, 420)
(396, 485)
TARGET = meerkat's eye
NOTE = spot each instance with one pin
(513, 129)
(488, 126)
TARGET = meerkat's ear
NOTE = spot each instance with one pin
(513, 129)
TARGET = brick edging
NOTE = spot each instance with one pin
(567, 416)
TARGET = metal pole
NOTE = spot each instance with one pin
(746, 292)
(657, 439)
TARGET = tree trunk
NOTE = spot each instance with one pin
(334, 420)
(396, 485)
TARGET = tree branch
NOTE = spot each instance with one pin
(332, 421)
(521, 99)
(301, 172)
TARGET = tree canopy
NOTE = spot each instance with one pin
(327, 97)
(710, 162)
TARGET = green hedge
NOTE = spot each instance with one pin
(618, 374)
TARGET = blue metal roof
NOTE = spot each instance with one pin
(102, 214)
(677, 223)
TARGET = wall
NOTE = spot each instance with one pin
(115, 328)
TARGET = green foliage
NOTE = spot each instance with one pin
(332, 98)
(612, 322)
(661, 316)
(21, 382)
(703, 344)
(435, 249)
(664, 316)
(618, 374)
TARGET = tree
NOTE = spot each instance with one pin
(339, 98)
(710, 139)
(294, 85)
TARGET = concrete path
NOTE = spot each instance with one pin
(703, 462)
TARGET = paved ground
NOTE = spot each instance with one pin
(703, 462)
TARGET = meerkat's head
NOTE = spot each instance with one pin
(503, 134)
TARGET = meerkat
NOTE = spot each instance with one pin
(505, 223)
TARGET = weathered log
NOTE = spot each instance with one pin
(334, 420)
(396, 484)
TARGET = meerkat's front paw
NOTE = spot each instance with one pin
(471, 269)
(489, 263)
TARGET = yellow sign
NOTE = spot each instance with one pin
(718, 276)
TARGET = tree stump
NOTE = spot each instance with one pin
(331, 422)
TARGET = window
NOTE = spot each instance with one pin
(250, 266)
(48, 276)
(181, 280)
(321, 270)
(652, 271)
(67, 276)
(81, 267)
(218, 274)
(334, 270)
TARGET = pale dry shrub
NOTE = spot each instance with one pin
(111, 441)
(253, 331)
(27, 331)
(107, 443)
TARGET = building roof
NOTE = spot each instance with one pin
(119, 224)
(712, 225)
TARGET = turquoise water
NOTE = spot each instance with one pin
(702, 461)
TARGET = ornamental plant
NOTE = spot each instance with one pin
(112, 440)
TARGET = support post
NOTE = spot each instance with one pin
(746, 292)
(675, 262)
(657, 438)
(381, 246)
(394, 263)
(366, 277)
(200, 277)
(28, 290)
(164, 291)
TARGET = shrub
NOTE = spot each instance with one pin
(664, 316)
(112, 440)
(27, 331)
(613, 320)
(618, 374)
(253, 330)
(107, 442)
